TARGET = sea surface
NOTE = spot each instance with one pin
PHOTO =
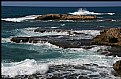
(28, 58)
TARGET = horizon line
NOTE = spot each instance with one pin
(60, 6)
(61, 3)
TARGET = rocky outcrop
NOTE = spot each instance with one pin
(63, 41)
(65, 17)
(42, 30)
(117, 67)
(110, 37)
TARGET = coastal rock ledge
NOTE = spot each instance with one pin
(110, 37)
(117, 68)
(65, 17)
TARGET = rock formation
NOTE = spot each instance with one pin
(64, 41)
(117, 67)
(65, 17)
(110, 37)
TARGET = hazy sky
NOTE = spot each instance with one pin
(61, 3)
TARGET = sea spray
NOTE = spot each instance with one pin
(20, 19)
(26, 67)
(86, 12)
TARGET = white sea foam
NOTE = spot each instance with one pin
(53, 27)
(40, 43)
(29, 17)
(111, 13)
(62, 24)
(90, 32)
(20, 19)
(30, 32)
(96, 48)
(30, 66)
(5, 40)
(26, 67)
(100, 60)
(85, 12)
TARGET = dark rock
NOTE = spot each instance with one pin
(42, 30)
(87, 47)
(107, 53)
(115, 50)
(93, 76)
(20, 39)
(14, 39)
(55, 77)
(64, 41)
(117, 67)
(83, 77)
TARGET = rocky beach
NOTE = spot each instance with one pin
(59, 43)
(110, 37)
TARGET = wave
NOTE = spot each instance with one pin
(28, 32)
(80, 56)
(85, 12)
(5, 40)
(31, 66)
(20, 19)
(26, 67)
(88, 34)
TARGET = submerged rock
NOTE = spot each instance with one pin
(115, 50)
(20, 39)
(63, 41)
(65, 17)
(117, 67)
(42, 30)
(110, 37)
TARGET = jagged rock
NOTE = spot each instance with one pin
(20, 39)
(42, 30)
(110, 36)
(65, 17)
(64, 41)
(117, 67)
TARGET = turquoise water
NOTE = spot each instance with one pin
(12, 52)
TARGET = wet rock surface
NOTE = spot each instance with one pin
(63, 41)
(70, 40)
(117, 68)
(110, 37)
(65, 17)
(115, 51)
(73, 39)
(111, 51)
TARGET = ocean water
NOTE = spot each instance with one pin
(28, 58)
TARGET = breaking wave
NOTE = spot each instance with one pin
(86, 12)
(20, 19)
(31, 66)
(26, 67)
(28, 32)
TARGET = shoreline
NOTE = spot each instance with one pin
(60, 40)
(70, 72)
